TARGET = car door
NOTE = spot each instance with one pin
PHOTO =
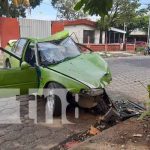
(23, 77)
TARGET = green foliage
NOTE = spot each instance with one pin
(9, 9)
(140, 49)
(66, 10)
(139, 22)
(103, 24)
(94, 7)
(147, 104)
(122, 12)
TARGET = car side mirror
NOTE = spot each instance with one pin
(25, 65)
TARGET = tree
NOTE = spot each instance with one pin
(66, 10)
(140, 22)
(122, 13)
(95, 7)
(16, 8)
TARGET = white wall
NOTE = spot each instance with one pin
(78, 30)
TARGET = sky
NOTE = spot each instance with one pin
(46, 11)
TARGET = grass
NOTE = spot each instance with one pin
(147, 104)
(140, 49)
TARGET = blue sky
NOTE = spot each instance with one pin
(46, 12)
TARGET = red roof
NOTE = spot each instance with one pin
(78, 22)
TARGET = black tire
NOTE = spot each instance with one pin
(54, 100)
(7, 64)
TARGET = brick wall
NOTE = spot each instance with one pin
(130, 47)
(111, 47)
(114, 47)
(97, 47)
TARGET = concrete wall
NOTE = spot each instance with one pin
(9, 29)
(78, 30)
(57, 26)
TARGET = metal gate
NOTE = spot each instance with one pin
(34, 28)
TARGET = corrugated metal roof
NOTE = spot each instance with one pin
(117, 30)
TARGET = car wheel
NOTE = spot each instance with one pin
(7, 64)
(53, 102)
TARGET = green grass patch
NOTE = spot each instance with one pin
(147, 104)
(140, 49)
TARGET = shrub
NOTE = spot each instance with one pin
(140, 49)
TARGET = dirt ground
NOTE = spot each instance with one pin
(132, 134)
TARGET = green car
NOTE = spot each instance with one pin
(57, 62)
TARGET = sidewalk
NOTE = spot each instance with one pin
(116, 54)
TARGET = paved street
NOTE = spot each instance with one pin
(127, 72)
(131, 75)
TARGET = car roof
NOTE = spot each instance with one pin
(54, 37)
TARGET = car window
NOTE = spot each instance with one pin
(19, 47)
(30, 54)
(14, 46)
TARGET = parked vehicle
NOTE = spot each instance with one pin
(55, 62)
(147, 51)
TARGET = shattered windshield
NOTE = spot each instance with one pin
(55, 53)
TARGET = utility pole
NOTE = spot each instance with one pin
(124, 35)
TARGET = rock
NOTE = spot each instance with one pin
(122, 137)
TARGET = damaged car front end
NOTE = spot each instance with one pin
(82, 73)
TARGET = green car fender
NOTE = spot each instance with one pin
(49, 75)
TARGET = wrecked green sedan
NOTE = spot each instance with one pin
(54, 63)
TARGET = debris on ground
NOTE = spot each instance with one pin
(93, 131)
(137, 135)
(118, 111)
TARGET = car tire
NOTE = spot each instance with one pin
(7, 64)
(53, 102)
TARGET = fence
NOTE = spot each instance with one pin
(112, 47)
(34, 28)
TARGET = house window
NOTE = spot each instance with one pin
(88, 36)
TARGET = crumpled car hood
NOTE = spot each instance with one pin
(88, 68)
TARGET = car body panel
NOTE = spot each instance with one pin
(48, 76)
(87, 68)
(55, 37)
(17, 78)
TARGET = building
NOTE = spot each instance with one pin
(137, 35)
(83, 31)
(87, 33)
